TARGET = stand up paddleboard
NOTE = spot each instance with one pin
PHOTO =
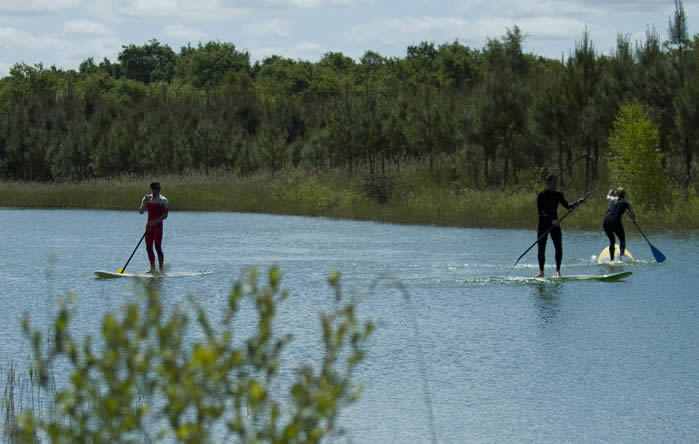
(588, 277)
(613, 277)
(100, 274)
(604, 258)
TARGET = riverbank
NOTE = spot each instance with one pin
(406, 198)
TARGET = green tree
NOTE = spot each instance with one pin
(507, 96)
(372, 61)
(680, 46)
(206, 65)
(553, 113)
(655, 86)
(337, 61)
(635, 157)
(457, 65)
(151, 62)
(582, 78)
(687, 113)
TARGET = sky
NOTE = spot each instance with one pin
(66, 32)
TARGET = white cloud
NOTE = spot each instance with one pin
(97, 48)
(531, 8)
(407, 30)
(183, 9)
(183, 33)
(305, 51)
(393, 31)
(260, 53)
(274, 27)
(315, 4)
(4, 69)
(525, 8)
(538, 28)
(6, 33)
(86, 27)
(12, 40)
(49, 50)
(36, 6)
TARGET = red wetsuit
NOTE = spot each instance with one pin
(157, 206)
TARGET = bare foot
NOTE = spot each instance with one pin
(558, 274)
(540, 275)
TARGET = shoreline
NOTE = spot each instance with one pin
(412, 201)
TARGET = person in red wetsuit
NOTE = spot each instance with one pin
(156, 204)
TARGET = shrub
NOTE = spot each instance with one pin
(146, 375)
(635, 157)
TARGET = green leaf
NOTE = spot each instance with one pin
(256, 391)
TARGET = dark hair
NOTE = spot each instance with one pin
(154, 185)
(550, 177)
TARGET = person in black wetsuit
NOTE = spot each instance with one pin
(612, 220)
(547, 203)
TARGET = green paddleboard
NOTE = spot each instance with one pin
(587, 277)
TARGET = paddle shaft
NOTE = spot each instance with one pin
(550, 228)
(639, 230)
(134, 252)
(657, 254)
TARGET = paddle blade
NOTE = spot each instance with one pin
(660, 257)
(120, 271)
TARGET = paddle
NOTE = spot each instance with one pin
(122, 270)
(660, 257)
(546, 232)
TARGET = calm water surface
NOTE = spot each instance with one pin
(505, 361)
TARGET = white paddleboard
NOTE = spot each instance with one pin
(101, 274)
(603, 257)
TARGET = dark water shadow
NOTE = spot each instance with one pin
(547, 299)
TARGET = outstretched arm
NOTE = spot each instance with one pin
(567, 205)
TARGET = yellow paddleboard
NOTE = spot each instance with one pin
(603, 257)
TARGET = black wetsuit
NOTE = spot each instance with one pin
(547, 203)
(612, 223)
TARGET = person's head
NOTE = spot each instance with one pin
(155, 187)
(551, 181)
(621, 192)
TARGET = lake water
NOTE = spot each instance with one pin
(504, 360)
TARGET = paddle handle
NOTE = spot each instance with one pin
(132, 253)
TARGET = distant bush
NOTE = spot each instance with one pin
(378, 188)
(635, 157)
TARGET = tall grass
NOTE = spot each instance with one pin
(416, 197)
(21, 394)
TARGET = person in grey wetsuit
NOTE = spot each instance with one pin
(612, 225)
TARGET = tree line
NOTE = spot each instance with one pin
(489, 116)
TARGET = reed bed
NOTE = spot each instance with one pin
(415, 198)
(21, 394)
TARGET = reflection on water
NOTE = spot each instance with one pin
(546, 299)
